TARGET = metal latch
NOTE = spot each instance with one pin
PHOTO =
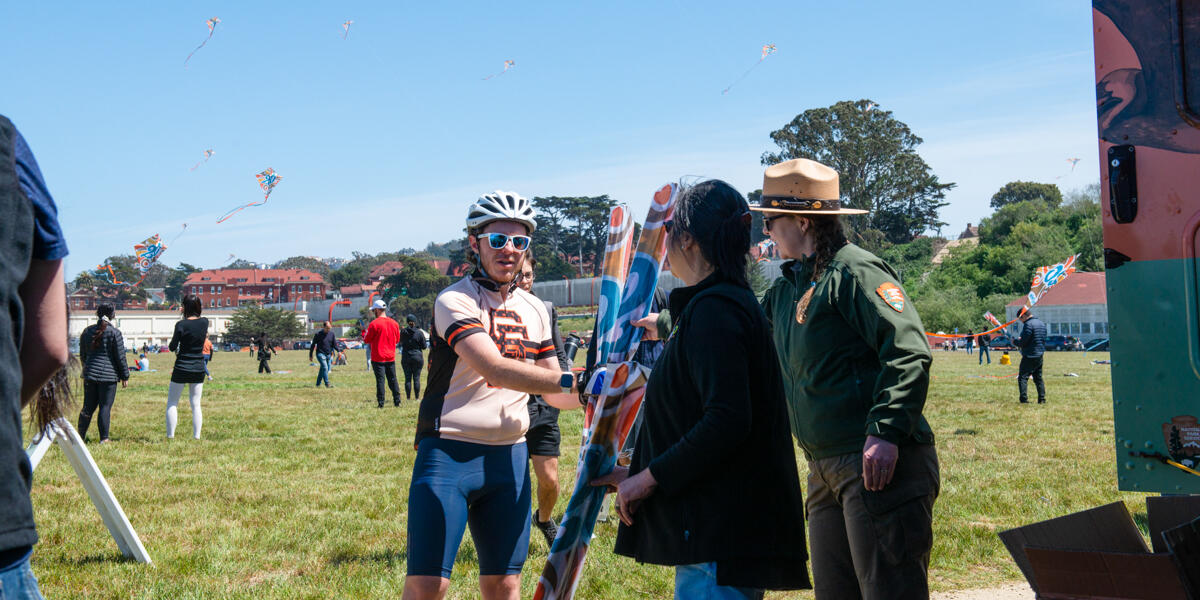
(1122, 184)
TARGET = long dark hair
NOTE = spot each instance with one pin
(829, 238)
(717, 216)
(192, 306)
(104, 314)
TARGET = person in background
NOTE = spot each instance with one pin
(102, 352)
(857, 363)
(1033, 345)
(207, 354)
(543, 437)
(188, 345)
(383, 334)
(715, 442)
(323, 344)
(984, 340)
(413, 343)
(143, 363)
(265, 350)
(970, 340)
(33, 340)
(341, 354)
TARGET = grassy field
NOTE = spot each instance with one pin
(298, 492)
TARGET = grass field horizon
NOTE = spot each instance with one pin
(300, 492)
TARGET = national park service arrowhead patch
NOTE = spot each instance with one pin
(892, 295)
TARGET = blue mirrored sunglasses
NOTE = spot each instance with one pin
(497, 241)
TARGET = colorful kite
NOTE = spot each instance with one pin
(346, 27)
(212, 26)
(991, 318)
(1045, 278)
(1073, 161)
(508, 64)
(207, 155)
(146, 253)
(267, 180)
(767, 50)
(766, 250)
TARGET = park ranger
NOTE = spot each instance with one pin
(856, 370)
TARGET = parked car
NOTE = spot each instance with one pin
(231, 347)
(1058, 343)
(1001, 342)
(305, 345)
(1097, 345)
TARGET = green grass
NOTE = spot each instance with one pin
(297, 492)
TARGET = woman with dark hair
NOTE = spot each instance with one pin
(857, 361)
(102, 352)
(188, 345)
(713, 487)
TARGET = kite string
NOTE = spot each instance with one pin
(189, 56)
(744, 75)
(966, 335)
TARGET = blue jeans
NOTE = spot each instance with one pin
(700, 581)
(323, 372)
(983, 351)
(18, 583)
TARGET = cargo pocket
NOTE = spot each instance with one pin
(901, 516)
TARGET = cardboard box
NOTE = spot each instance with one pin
(1100, 554)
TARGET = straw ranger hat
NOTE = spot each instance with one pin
(802, 187)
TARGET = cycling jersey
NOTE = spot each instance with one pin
(459, 404)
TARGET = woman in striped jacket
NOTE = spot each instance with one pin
(102, 352)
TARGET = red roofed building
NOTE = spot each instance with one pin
(239, 287)
(385, 270)
(1077, 306)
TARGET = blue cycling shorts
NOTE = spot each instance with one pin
(455, 484)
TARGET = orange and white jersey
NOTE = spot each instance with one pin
(458, 403)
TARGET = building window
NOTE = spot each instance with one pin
(1074, 327)
(1085, 327)
(1053, 328)
(212, 303)
(1100, 327)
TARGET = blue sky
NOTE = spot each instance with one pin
(382, 139)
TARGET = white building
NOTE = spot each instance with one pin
(1077, 306)
(156, 326)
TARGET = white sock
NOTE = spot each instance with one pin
(194, 391)
(174, 390)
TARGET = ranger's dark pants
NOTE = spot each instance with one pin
(872, 545)
(264, 366)
(97, 394)
(1031, 366)
(388, 370)
(412, 377)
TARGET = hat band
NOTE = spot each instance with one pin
(790, 203)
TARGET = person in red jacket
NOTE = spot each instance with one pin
(383, 334)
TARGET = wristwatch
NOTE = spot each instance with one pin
(567, 382)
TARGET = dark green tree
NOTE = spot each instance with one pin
(248, 321)
(304, 262)
(588, 230)
(1026, 191)
(241, 263)
(878, 167)
(414, 289)
(173, 289)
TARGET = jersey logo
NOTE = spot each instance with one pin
(509, 333)
(892, 295)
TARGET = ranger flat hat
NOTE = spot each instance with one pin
(802, 187)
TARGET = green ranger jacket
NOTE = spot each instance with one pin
(859, 364)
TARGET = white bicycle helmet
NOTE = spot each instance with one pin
(500, 206)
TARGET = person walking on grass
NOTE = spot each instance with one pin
(1032, 343)
(970, 340)
(858, 362)
(188, 345)
(543, 437)
(207, 353)
(265, 350)
(383, 334)
(324, 343)
(984, 340)
(33, 341)
(492, 347)
(713, 488)
(102, 353)
(412, 345)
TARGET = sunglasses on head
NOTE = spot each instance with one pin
(498, 241)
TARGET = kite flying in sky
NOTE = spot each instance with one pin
(346, 27)
(146, 254)
(267, 180)
(767, 50)
(1047, 277)
(1073, 161)
(212, 26)
(207, 155)
(508, 64)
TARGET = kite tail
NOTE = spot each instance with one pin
(739, 79)
(189, 56)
